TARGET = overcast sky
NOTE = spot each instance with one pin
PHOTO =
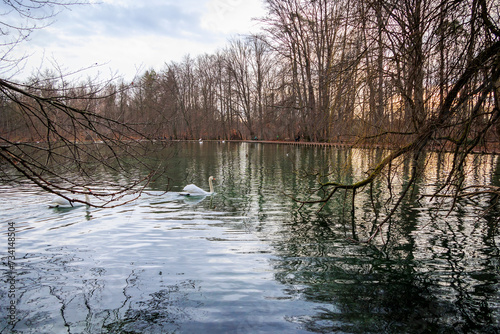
(130, 36)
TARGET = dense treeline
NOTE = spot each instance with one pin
(320, 71)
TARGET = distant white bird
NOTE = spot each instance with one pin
(200, 140)
(194, 190)
(61, 202)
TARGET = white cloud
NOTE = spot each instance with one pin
(231, 16)
(127, 34)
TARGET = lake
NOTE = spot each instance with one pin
(244, 260)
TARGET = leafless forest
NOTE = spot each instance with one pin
(334, 71)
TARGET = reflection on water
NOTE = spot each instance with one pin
(245, 261)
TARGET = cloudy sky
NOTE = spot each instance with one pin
(131, 36)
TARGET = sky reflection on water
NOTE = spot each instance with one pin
(244, 260)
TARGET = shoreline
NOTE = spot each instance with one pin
(492, 148)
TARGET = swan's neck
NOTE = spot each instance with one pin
(210, 185)
(87, 199)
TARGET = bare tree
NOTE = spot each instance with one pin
(466, 115)
(59, 132)
(238, 62)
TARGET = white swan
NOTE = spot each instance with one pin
(61, 202)
(194, 190)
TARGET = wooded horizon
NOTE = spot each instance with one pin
(321, 71)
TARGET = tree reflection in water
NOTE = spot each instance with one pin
(263, 266)
(87, 299)
(163, 312)
(397, 287)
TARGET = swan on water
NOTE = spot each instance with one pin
(60, 202)
(194, 190)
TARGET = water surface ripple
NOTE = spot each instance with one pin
(244, 260)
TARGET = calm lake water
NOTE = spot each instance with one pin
(245, 261)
